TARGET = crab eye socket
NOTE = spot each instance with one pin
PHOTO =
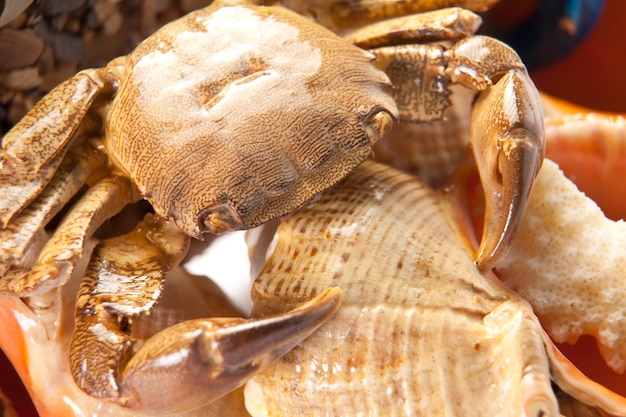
(377, 125)
(219, 219)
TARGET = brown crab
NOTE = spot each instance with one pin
(173, 123)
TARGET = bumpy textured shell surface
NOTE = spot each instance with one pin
(249, 107)
(573, 274)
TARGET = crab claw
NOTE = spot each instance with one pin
(508, 143)
(207, 358)
(201, 358)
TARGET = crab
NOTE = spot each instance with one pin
(170, 124)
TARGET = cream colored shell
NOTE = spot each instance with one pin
(420, 330)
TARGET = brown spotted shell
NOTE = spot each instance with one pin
(237, 114)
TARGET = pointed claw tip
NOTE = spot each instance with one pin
(518, 165)
(484, 263)
(490, 252)
(260, 341)
(499, 231)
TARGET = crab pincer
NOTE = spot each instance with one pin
(207, 357)
(506, 135)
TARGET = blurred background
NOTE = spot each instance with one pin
(586, 66)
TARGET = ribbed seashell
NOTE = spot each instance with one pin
(420, 330)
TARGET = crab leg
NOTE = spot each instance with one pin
(451, 24)
(417, 69)
(41, 357)
(123, 280)
(340, 15)
(32, 151)
(57, 258)
(20, 235)
(203, 358)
